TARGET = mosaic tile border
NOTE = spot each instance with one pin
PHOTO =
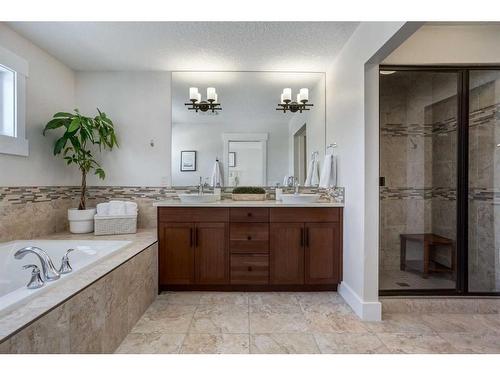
(479, 194)
(388, 193)
(483, 116)
(36, 194)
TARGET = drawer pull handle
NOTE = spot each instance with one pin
(249, 238)
(249, 268)
(249, 214)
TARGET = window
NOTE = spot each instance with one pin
(7, 102)
(13, 73)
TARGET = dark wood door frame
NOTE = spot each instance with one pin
(462, 71)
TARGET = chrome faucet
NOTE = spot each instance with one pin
(36, 281)
(49, 271)
(296, 185)
(200, 187)
(65, 265)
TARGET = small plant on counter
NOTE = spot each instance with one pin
(82, 135)
(248, 190)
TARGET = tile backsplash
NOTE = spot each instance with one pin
(32, 211)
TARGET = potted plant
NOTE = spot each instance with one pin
(81, 136)
(248, 193)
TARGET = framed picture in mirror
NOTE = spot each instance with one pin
(232, 159)
(188, 161)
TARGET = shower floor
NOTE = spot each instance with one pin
(401, 280)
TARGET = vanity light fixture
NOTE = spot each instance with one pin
(197, 104)
(299, 105)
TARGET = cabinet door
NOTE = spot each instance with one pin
(287, 253)
(176, 255)
(211, 253)
(322, 253)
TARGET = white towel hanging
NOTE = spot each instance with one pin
(315, 173)
(309, 175)
(328, 172)
(217, 179)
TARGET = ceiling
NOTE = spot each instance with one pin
(139, 46)
(243, 95)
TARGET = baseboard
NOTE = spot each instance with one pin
(369, 311)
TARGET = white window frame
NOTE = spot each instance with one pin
(17, 145)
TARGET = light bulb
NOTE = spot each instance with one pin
(287, 94)
(193, 93)
(304, 94)
(211, 93)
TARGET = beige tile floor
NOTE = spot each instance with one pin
(388, 280)
(317, 322)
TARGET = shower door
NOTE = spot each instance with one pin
(439, 180)
(484, 181)
(419, 112)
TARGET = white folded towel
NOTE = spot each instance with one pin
(116, 208)
(102, 209)
(130, 208)
(217, 179)
(328, 172)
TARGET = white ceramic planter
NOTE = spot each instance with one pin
(81, 221)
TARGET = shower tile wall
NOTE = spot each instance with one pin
(484, 182)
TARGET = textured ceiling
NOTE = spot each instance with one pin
(290, 46)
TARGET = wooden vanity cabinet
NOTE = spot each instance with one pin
(193, 252)
(306, 246)
(250, 248)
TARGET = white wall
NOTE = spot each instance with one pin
(139, 105)
(352, 122)
(450, 44)
(50, 88)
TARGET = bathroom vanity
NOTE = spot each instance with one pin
(261, 246)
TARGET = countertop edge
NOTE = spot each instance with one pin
(231, 203)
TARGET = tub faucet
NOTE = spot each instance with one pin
(49, 271)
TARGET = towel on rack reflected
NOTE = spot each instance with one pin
(312, 178)
(329, 172)
(217, 179)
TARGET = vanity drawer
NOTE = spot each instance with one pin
(193, 214)
(249, 269)
(249, 214)
(305, 214)
(249, 238)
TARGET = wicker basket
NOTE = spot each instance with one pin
(115, 224)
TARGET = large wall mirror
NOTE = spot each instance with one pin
(254, 144)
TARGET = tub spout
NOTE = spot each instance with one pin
(49, 271)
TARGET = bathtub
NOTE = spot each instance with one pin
(13, 279)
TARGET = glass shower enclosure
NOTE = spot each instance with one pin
(439, 180)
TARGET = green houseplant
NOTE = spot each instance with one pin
(82, 136)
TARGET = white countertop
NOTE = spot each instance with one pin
(231, 203)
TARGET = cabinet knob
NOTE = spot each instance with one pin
(249, 268)
(249, 238)
(249, 214)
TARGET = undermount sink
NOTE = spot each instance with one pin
(196, 198)
(299, 198)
